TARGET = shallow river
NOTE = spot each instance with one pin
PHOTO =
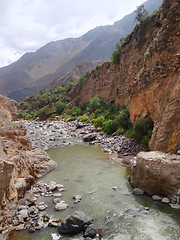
(85, 170)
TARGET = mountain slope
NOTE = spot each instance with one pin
(146, 78)
(36, 70)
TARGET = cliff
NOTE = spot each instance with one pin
(146, 77)
(20, 165)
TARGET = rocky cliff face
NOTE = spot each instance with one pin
(20, 165)
(157, 173)
(146, 77)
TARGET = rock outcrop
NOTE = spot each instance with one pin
(20, 165)
(157, 173)
(146, 77)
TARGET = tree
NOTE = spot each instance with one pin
(141, 13)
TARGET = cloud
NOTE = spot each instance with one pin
(26, 25)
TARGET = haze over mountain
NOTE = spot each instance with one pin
(35, 70)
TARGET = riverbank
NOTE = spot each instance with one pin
(51, 134)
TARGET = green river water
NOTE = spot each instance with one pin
(86, 170)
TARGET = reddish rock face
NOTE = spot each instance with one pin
(157, 173)
(146, 79)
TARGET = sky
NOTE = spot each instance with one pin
(26, 25)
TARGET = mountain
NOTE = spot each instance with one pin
(35, 70)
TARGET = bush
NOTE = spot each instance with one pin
(59, 106)
(98, 122)
(115, 56)
(109, 127)
(75, 111)
(122, 119)
(94, 104)
(141, 131)
(84, 119)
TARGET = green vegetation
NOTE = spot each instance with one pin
(109, 117)
(115, 56)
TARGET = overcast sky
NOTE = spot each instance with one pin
(26, 25)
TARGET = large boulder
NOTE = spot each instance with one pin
(75, 223)
(157, 173)
(89, 137)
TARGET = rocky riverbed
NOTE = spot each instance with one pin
(50, 134)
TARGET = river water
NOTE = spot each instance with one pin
(85, 170)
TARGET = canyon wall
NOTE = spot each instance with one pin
(20, 165)
(146, 78)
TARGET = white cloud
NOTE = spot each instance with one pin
(26, 25)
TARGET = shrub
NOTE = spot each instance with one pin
(94, 104)
(115, 56)
(122, 119)
(59, 106)
(109, 127)
(75, 111)
(84, 119)
(141, 131)
(98, 122)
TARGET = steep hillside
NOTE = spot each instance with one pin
(71, 76)
(35, 70)
(146, 77)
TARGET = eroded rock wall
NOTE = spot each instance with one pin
(20, 165)
(146, 78)
(157, 173)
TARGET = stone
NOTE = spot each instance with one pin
(138, 191)
(58, 194)
(20, 227)
(56, 200)
(74, 223)
(53, 224)
(77, 198)
(42, 207)
(23, 213)
(79, 125)
(61, 206)
(165, 200)
(157, 173)
(89, 137)
(32, 210)
(156, 198)
(52, 186)
(90, 231)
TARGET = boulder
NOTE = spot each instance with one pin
(138, 191)
(75, 223)
(89, 137)
(77, 198)
(90, 231)
(157, 173)
(79, 125)
(60, 206)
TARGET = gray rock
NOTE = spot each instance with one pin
(52, 186)
(61, 206)
(32, 210)
(89, 137)
(58, 194)
(79, 125)
(24, 213)
(20, 227)
(165, 200)
(56, 200)
(138, 191)
(74, 223)
(156, 198)
(42, 207)
(90, 231)
(77, 198)
(53, 224)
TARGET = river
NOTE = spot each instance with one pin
(106, 196)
